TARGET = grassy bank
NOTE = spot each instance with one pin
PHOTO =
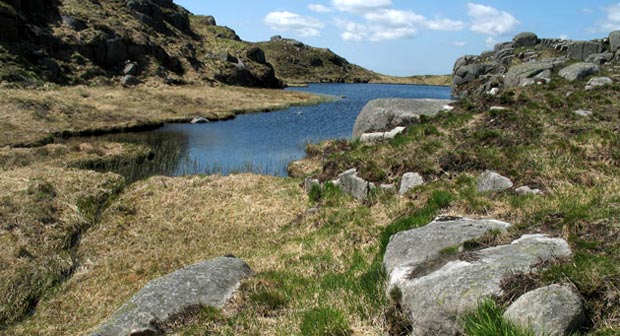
(31, 117)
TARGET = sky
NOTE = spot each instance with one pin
(410, 37)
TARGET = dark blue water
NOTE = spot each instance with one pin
(266, 143)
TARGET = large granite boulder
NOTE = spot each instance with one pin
(386, 114)
(525, 40)
(411, 249)
(579, 71)
(435, 301)
(208, 283)
(549, 311)
(580, 50)
(490, 181)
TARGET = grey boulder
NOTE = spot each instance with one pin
(601, 58)
(549, 311)
(209, 283)
(580, 50)
(526, 190)
(410, 181)
(516, 74)
(579, 71)
(583, 113)
(490, 181)
(408, 250)
(437, 300)
(383, 114)
(525, 40)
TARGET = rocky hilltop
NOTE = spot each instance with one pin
(82, 42)
(296, 62)
(528, 59)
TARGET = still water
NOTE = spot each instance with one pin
(265, 143)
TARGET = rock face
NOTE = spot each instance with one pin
(355, 185)
(384, 114)
(435, 301)
(409, 250)
(579, 71)
(614, 40)
(518, 73)
(550, 311)
(491, 181)
(580, 50)
(209, 283)
(410, 181)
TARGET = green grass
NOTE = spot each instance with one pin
(324, 321)
(487, 320)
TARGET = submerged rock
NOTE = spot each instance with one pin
(549, 311)
(209, 283)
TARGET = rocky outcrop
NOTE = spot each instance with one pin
(554, 310)
(435, 300)
(412, 250)
(386, 114)
(524, 61)
(579, 71)
(209, 283)
(490, 181)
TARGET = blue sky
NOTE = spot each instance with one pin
(407, 37)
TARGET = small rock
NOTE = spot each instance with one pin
(410, 181)
(498, 108)
(549, 311)
(129, 80)
(579, 71)
(393, 133)
(494, 91)
(372, 137)
(388, 188)
(584, 113)
(595, 82)
(491, 181)
(130, 69)
(526, 190)
(200, 120)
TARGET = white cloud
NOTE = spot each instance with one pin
(300, 25)
(460, 43)
(392, 24)
(360, 6)
(318, 8)
(611, 21)
(490, 21)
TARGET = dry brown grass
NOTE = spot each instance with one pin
(42, 212)
(162, 224)
(437, 80)
(29, 116)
